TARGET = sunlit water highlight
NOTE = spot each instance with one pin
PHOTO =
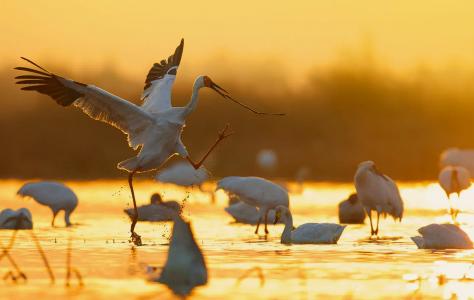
(111, 267)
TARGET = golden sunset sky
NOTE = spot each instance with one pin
(289, 36)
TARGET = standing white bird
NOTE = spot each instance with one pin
(185, 267)
(53, 194)
(156, 126)
(309, 233)
(458, 157)
(351, 211)
(246, 214)
(378, 192)
(453, 180)
(183, 174)
(16, 219)
(257, 192)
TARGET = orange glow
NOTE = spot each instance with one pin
(88, 34)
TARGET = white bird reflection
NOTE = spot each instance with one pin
(185, 267)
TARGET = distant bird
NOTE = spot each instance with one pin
(183, 174)
(310, 233)
(185, 267)
(442, 236)
(246, 214)
(300, 175)
(267, 159)
(378, 192)
(453, 180)
(351, 211)
(155, 125)
(257, 192)
(53, 194)
(458, 158)
(156, 211)
(16, 219)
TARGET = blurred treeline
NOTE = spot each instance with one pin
(349, 112)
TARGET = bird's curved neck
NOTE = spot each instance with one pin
(286, 235)
(191, 106)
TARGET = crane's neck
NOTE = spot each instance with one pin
(191, 106)
(286, 235)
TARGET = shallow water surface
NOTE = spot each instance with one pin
(240, 264)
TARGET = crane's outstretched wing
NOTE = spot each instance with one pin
(157, 95)
(95, 102)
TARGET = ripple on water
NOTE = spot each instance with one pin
(355, 268)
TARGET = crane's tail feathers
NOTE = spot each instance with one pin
(130, 164)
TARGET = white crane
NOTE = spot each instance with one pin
(258, 192)
(458, 157)
(453, 180)
(183, 174)
(53, 194)
(378, 192)
(156, 126)
(246, 214)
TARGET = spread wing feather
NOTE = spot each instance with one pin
(159, 81)
(97, 103)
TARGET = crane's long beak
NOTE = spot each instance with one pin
(225, 94)
(215, 87)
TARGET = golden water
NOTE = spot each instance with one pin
(355, 268)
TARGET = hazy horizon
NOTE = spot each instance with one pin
(366, 80)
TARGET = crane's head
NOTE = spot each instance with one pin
(371, 167)
(205, 81)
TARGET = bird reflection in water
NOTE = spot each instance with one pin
(456, 278)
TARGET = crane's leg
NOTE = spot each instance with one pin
(258, 225)
(369, 214)
(54, 217)
(136, 239)
(377, 229)
(222, 136)
(451, 211)
(266, 221)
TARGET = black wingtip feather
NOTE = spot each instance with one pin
(35, 65)
(159, 70)
(32, 71)
(48, 84)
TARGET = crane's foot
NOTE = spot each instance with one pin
(266, 231)
(136, 239)
(222, 134)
